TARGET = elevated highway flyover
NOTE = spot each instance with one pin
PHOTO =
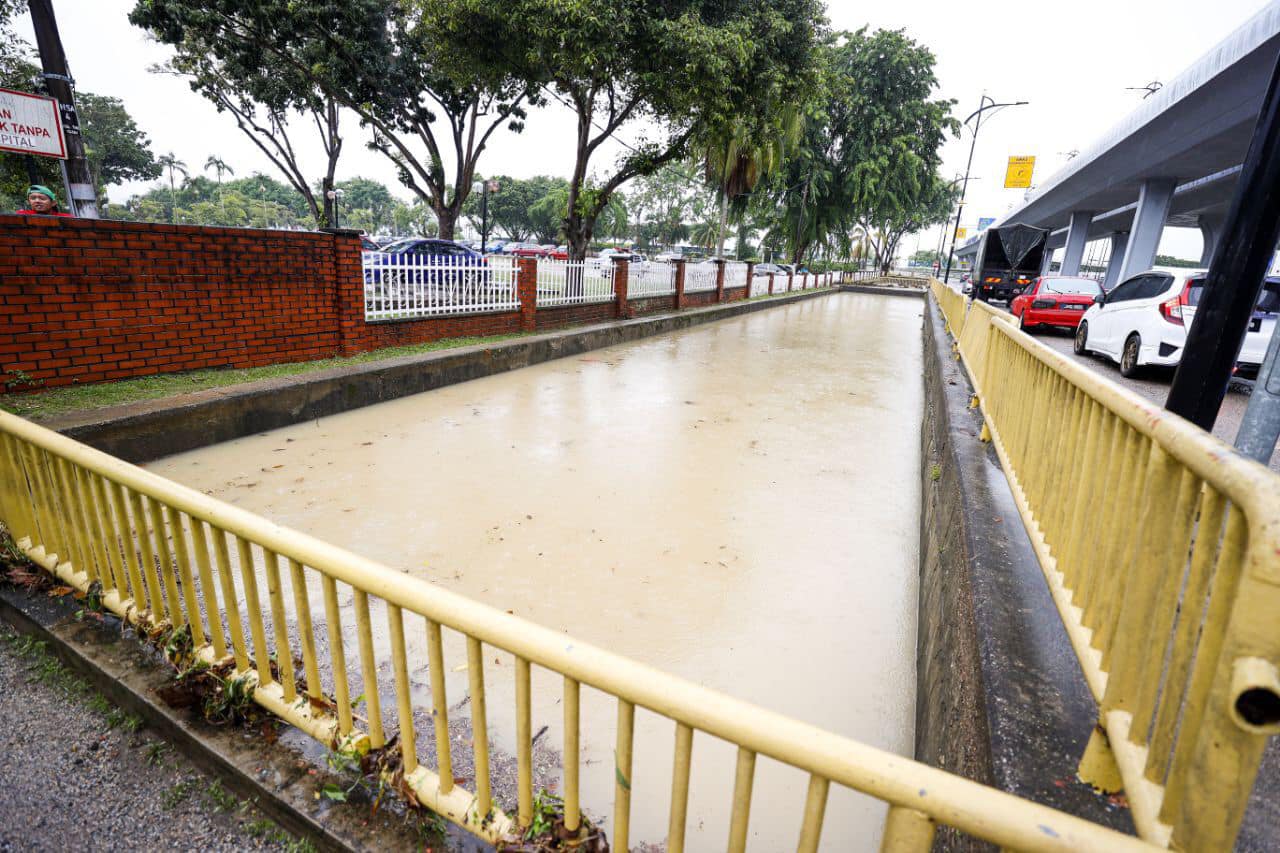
(1175, 160)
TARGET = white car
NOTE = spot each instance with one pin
(1144, 319)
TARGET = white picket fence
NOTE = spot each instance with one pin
(735, 274)
(650, 278)
(759, 285)
(574, 282)
(404, 286)
(699, 277)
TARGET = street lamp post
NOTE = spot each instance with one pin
(976, 118)
(335, 195)
(484, 188)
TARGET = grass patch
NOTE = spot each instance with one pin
(269, 830)
(173, 797)
(223, 800)
(71, 398)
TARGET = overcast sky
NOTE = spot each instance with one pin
(1072, 62)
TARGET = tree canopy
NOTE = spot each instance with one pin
(681, 67)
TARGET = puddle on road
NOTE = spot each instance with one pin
(737, 504)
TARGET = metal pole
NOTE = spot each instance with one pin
(82, 198)
(964, 188)
(1261, 425)
(1235, 276)
(484, 219)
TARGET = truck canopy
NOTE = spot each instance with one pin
(1012, 247)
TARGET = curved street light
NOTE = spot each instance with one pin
(976, 118)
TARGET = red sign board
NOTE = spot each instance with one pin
(29, 124)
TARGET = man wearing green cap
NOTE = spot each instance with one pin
(41, 202)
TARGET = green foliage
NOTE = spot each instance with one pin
(1171, 261)
(261, 59)
(116, 148)
(681, 69)
(868, 159)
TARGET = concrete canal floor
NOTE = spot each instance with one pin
(737, 504)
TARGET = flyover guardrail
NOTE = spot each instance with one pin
(1161, 547)
(164, 556)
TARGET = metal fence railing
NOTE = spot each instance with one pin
(735, 274)
(166, 556)
(404, 286)
(650, 278)
(759, 285)
(574, 282)
(699, 277)
(1161, 548)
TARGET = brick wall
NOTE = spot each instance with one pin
(90, 300)
(94, 300)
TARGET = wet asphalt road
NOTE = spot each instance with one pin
(1153, 383)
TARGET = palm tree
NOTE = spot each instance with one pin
(219, 165)
(735, 161)
(170, 163)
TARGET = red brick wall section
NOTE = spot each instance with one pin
(91, 300)
(569, 315)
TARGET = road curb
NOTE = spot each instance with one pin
(147, 430)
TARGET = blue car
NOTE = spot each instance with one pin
(424, 260)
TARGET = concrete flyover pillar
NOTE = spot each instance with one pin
(1119, 247)
(1047, 266)
(1148, 225)
(1077, 236)
(1211, 231)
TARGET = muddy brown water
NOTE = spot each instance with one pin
(736, 504)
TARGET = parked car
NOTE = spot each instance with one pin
(532, 250)
(612, 254)
(1054, 300)
(368, 244)
(1144, 321)
(767, 269)
(423, 261)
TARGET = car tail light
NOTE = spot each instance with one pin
(1024, 281)
(1044, 303)
(1171, 309)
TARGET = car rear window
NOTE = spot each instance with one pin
(1072, 286)
(1268, 297)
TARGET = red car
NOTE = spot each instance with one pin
(1054, 300)
(531, 250)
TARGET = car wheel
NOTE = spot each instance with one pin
(1081, 344)
(1129, 358)
(1022, 323)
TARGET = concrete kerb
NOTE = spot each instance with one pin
(1000, 697)
(150, 429)
(882, 290)
(281, 778)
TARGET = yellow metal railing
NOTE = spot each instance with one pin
(1161, 547)
(167, 555)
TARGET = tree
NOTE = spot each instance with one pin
(171, 164)
(219, 165)
(378, 58)
(116, 149)
(870, 151)
(737, 157)
(683, 67)
(511, 207)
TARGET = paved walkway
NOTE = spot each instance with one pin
(79, 774)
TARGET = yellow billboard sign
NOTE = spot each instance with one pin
(962, 233)
(1018, 173)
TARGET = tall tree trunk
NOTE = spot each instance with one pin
(724, 221)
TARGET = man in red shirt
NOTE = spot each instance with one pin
(41, 202)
